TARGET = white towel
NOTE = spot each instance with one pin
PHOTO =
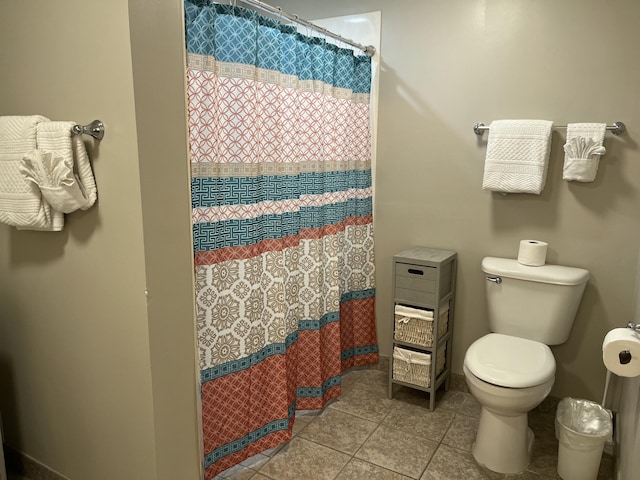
(517, 156)
(21, 203)
(583, 150)
(410, 312)
(53, 168)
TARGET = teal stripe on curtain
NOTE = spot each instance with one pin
(237, 35)
(210, 192)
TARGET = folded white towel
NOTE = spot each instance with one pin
(21, 203)
(583, 150)
(52, 167)
(410, 312)
(517, 156)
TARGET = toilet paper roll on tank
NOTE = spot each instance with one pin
(621, 352)
(532, 253)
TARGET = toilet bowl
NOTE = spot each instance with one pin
(509, 376)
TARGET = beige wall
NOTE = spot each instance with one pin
(90, 383)
(157, 42)
(448, 65)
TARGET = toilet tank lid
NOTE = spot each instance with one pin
(555, 274)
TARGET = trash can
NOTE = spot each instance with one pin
(582, 428)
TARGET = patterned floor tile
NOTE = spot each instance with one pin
(349, 379)
(458, 383)
(237, 473)
(398, 451)
(420, 421)
(301, 422)
(359, 470)
(255, 462)
(449, 463)
(544, 455)
(542, 424)
(400, 439)
(470, 406)
(302, 459)
(364, 403)
(527, 476)
(339, 430)
(411, 396)
(373, 380)
(274, 451)
(462, 433)
(452, 399)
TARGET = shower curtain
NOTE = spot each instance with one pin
(282, 224)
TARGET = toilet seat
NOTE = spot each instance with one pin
(511, 362)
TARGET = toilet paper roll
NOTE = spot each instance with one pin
(621, 352)
(532, 253)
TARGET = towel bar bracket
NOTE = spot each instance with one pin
(618, 128)
(479, 128)
(95, 129)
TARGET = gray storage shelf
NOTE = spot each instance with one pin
(425, 278)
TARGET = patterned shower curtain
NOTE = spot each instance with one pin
(282, 224)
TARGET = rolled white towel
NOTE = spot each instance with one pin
(52, 167)
(583, 150)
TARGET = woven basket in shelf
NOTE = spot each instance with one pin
(415, 367)
(417, 329)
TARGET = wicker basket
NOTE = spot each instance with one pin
(412, 325)
(415, 367)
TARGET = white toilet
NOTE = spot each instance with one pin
(511, 370)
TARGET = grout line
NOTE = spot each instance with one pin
(343, 467)
(367, 439)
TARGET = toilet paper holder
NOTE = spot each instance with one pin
(634, 326)
(625, 355)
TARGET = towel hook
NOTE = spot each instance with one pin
(95, 129)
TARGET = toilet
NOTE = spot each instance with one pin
(512, 369)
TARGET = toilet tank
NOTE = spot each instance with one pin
(538, 303)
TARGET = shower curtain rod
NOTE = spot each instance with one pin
(368, 50)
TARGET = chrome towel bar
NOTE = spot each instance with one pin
(618, 128)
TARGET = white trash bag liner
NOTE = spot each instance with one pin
(585, 423)
(582, 428)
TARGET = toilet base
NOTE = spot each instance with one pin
(503, 443)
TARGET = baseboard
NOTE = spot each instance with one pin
(22, 464)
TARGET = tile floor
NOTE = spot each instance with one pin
(365, 436)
